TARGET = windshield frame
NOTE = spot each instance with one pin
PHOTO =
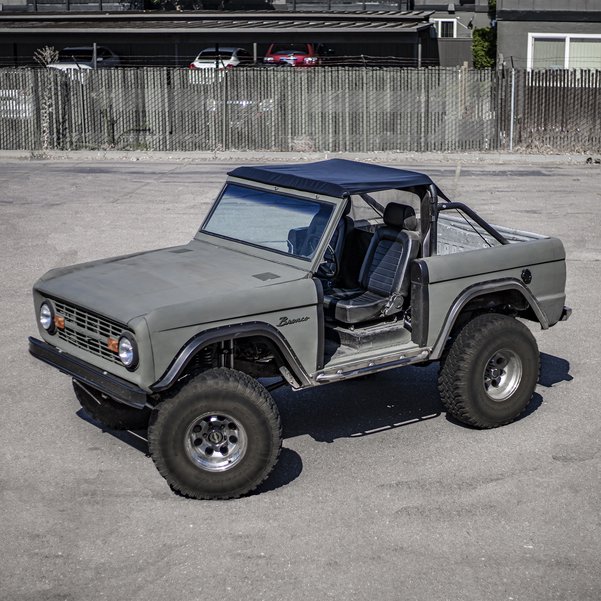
(272, 254)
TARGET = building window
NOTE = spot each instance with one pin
(445, 28)
(564, 51)
(585, 53)
(548, 54)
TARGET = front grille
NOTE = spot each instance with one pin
(88, 331)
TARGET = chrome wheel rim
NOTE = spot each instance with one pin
(502, 375)
(215, 442)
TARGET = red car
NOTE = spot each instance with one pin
(295, 55)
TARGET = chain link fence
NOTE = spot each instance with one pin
(294, 109)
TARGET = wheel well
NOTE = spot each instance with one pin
(257, 356)
(505, 302)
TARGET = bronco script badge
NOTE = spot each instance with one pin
(284, 321)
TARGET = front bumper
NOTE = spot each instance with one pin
(115, 387)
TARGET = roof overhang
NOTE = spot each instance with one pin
(250, 25)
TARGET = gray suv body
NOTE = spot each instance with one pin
(300, 275)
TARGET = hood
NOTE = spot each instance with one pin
(211, 282)
(83, 65)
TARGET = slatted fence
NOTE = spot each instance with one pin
(293, 109)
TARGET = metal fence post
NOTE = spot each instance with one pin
(224, 143)
(512, 110)
(423, 108)
(365, 112)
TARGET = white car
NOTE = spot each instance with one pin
(79, 58)
(221, 58)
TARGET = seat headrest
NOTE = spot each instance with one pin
(400, 216)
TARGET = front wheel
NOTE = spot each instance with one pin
(490, 372)
(219, 437)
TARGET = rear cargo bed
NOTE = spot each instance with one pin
(456, 235)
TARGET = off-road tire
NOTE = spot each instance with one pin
(466, 386)
(218, 400)
(108, 412)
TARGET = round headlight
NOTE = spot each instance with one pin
(47, 317)
(128, 351)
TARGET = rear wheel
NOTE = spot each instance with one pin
(108, 412)
(218, 437)
(489, 374)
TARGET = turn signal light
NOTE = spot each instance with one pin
(113, 345)
(59, 322)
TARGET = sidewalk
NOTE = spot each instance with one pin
(254, 156)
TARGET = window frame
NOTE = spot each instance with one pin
(567, 39)
(317, 199)
(436, 21)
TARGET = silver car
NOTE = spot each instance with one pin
(82, 57)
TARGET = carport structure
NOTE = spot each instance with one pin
(175, 38)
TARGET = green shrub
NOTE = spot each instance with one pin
(484, 47)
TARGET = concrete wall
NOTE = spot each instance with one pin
(455, 51)
(517, 18)
(549, 5)
(512, 37)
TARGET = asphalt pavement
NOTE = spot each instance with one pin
(377, 494)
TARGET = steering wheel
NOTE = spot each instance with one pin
(311, 245)
(330, 267)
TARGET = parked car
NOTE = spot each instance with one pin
(308, 274)
(295, 55)
(82, 57)
(222, 58)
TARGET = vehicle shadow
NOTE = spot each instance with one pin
(385, 401)
(553, 370)
(287, 469)
(356, 408)
(134, 438)
(361, 407)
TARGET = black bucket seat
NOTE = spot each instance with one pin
(384, 277)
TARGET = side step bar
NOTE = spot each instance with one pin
(372, 366)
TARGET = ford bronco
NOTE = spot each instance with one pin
(300, 275)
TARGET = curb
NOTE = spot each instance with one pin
(251, 156)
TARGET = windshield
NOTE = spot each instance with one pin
(270, 220)
(290, 49)
(223, 54)
(79, 54)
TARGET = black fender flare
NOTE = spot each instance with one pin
(231, 332)
(473, 292)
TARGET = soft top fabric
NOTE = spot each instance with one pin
(334, 177)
